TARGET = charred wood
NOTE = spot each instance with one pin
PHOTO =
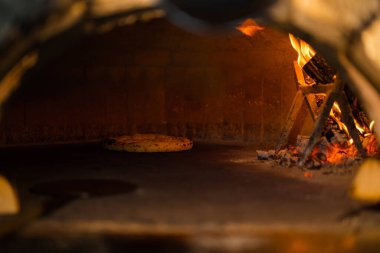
(319, 70)
(348, 119)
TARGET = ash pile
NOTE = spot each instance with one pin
(334, 148)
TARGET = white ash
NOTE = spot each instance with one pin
(339, 137)
(302, 142)
(265, 155)
(290, 156)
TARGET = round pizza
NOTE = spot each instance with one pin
(148, 143)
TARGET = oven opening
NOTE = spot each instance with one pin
(149, 138)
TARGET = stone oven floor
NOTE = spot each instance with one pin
(214, 198)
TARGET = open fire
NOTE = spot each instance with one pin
(335, 145)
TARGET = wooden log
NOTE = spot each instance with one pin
(299, 75)
(317, 89)
(318, 69)
(348, 120)
(305, 88)
(290, 119)
(311, 108)
(296, 107)
(365, 91)
(321, 121)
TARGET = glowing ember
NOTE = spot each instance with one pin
(370, 144)
(249, 27)
(334, 153)
(339, 147)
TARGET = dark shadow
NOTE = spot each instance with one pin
(374, 208)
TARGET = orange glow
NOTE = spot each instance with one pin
(299, 246)
(339, 150)
(371, 126)
(342, 148)
(304, 50)
(249, 27)
(359, 127)
(370, 144)
(308, 175)
(338, 153)
(335, 114)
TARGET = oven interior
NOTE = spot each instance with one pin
(230, 93)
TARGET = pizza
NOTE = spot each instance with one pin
(148, 143)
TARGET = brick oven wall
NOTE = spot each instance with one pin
(154, 77)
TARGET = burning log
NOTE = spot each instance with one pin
(339, 96)
(314, 65)
(331, 142)
(348, 119)
(318, 69)
(336, 96)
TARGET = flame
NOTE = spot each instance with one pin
(359, 128)
(338, 153)
(249, 27)
(371, 125)
(335, 114)
(304, 50)
(336, 146)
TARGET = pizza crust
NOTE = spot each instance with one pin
(148, 143)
